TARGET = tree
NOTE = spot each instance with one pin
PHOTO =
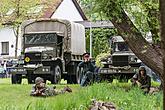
(14, 12)
(162, 28)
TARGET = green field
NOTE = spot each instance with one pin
(16, 97)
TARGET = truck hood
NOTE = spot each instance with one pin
(123, 53)
(38, 49)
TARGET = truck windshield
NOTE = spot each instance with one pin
(40, 38)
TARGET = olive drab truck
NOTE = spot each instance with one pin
(122, 64)
(51, 49)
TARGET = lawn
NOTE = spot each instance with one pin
(16, 97)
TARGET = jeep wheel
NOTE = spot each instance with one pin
(56, 77)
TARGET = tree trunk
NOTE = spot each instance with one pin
(16, 32)
(162, 28)
(150, 55)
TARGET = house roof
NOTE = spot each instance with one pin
(47, 12)
(50, 10)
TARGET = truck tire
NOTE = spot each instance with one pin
(30, 77)
(123, 79)
(30, 80)
(71, 79)
(13, 79)
(16, 79)
(56, 77)
(107, 78)
(110, 79)
(19, 79)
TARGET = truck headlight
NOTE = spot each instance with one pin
(109, 60)
(133, 59)
(45, 70)
(45, 56)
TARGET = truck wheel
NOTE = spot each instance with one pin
(123, 79)
(56, 77)
(13, 79)
(71, 79)
(19, 79)
(16, 79)
(30, 77)
(110, 79)
(30, 80)
(79, 75)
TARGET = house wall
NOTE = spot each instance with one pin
(67, 10)
(7, 35)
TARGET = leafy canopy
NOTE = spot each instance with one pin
(13, 12)
(143, 13)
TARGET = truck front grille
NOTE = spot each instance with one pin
(120, 60)
(33, 57)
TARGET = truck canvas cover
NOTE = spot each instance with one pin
(73, 33)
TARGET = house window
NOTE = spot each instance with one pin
(5, 48)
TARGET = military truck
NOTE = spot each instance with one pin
(51, 49)
(122, 64)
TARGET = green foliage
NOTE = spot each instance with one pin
(101, 57)
(15, 11)
(143, 13)
(100, 42)
(16, 97)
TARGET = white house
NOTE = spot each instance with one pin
(63, 9)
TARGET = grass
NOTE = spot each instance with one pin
(16, 97)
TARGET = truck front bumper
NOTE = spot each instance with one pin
(114, 71)
(35, 69)
(17, 70)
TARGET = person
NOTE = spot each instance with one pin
(142, 80)
(87, 73)
(5, 68)
(40, 89)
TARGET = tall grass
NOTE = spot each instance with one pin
(16, 97)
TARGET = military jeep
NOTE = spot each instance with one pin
(122, 64)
